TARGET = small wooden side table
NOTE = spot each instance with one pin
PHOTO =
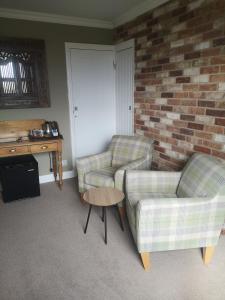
(103, 196)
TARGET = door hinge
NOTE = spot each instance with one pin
(114, 65)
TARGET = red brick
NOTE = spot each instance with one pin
(176, 73)
(210, 52)
(192, 55)
(196, 126)
(186, 131)
(203, 28)
(181, 94)
(178, 136)
(202, 149)
(139, 122)
(155, 107)
(166, 108)
(191, 87)
(218, 154)
(222, 68)
(157, 41)
(219, 42)
(214, 129)
(170, 66)
(187, 117)
(213, 145)
(220, 122)
(207, 87)
(180, 123)
(216, 78)
(212, 34)
(183, 79)
(153, 119)
(160, 149)
(186, 16)
(204, 135)
(167, 95)
(163, 60)
(209, 70)
(140, 88)
(196, 110)
(206, 103)
(189, 102)
(218, 60)
(216, 113)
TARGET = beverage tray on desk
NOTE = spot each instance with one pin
(45, 138)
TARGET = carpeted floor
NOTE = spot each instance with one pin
(44, 254)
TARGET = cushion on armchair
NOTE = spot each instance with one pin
(129, 148)
(101, 177)
(202, 177)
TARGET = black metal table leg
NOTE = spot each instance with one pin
(102, 214)
(121, 222)
(89, 212)
(105, 224)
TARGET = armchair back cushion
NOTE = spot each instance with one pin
(203, 176)
(129, 148)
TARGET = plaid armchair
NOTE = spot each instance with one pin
(107, 169)
(177, 210)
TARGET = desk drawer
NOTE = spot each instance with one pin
(13, 150)
(44, 147)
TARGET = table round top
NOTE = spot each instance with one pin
(103, 196)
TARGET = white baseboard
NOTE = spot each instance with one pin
(51, 178)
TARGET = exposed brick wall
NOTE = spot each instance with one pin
(180, 78)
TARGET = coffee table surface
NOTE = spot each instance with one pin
(103, 196)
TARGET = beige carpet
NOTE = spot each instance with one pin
(44, 254)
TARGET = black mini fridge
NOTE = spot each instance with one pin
(19, 177)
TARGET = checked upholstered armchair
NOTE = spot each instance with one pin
(177, 210)
(108, 169)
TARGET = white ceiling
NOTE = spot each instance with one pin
(108, 12)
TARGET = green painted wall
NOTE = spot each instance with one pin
(55, 36)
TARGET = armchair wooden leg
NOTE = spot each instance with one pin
(122, 211)
(145, 257)
(207, 254)
(81, 198)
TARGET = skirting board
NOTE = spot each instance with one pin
(51, 178)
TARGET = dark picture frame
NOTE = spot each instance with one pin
(23, 74)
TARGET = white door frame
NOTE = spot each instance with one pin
(130, 44)
(68, 47)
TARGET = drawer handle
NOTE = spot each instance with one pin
(12, 150)
(44, 147)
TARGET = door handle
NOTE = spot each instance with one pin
(129, 107)
(75, 111)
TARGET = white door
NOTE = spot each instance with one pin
(92, 98)
(125, 88)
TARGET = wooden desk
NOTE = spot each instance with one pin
(10, 131)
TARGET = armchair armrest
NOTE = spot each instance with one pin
(178, 223)
(89, 163)
(152, 181)
(141, 163)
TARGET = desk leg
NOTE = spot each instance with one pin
(54, 164)
(59, 163)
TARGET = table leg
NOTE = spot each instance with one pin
(89, 212)
(54, 164)
(102, 214)
(105, 219)
(121, 222)
(59, 163)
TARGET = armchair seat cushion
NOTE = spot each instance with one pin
(102, 177)
(135, 197)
